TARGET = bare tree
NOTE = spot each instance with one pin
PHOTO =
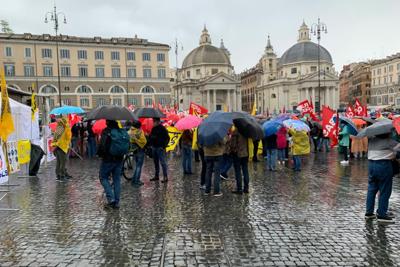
(5, 26)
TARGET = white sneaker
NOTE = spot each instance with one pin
(344, 162)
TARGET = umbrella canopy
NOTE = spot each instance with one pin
(64, 110)
(368, 120)
(380, 127)
(249, 127)
(99, 126)
(359, 122)
(297, 125)
(188, 123)
(110, 112)
(271, 127)
(214, 128)
(149, 113)
(348, 121)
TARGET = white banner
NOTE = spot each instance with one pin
(3, 166)
(50, 155)
(12, 152)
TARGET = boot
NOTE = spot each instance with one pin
(165, 179)
(154, 179)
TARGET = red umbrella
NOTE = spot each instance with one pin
(147, 124)
(53, 126)
(99, 126)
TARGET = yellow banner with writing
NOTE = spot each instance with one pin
(174, 136)
(24, 151)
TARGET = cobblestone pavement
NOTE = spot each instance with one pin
(312, 218)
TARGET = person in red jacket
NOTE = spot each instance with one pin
(281, 143)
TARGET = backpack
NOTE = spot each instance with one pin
(119, 142)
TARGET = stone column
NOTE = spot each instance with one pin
(228, 92)
(334, 97)
(234, 100)
(313, 95)
(307, 94)
(208, 100)
(214, 100)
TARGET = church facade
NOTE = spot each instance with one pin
(207, 78)
(293, 77)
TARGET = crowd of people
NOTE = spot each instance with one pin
(234, 150)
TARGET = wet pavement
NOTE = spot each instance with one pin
(312, 218)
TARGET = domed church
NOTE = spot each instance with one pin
(207, 78)
(293, 77)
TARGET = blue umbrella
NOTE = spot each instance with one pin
(64, 110)
(350, 123)
(214, 128)
(271, 127)
(296, 125)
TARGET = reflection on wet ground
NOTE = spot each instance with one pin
(310, 218)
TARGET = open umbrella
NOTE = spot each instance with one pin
(64, 110)
(380, 127)
(297, 125)
(359, 122)
(214, 128)
(111, 112)
(188, 123)
(271, 127)
(350, 123)
(249, 127)
(99, 126)
(149, 113)
(368, 120)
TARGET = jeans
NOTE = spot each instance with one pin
(203, 167)
(297, 162)
(345, 152)
(61, 158)
(271, 159)
(316, 141)
(241, 166)
(139, 160)
(187, 159)
(281, 154)
(160, 156)
(325, 142)
(196, 155)
(226, 164)
(380, 179)
(113, 168)
(213, 165)
(91, 147)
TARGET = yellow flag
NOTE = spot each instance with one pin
(194, 141)
(174, 136)
(34, 107)
(254, 110)
(6, 120)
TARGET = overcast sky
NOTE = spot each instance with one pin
(357, 29)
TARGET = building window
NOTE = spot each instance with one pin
(84, 102)
(148, 102)
(116, 72)
(313, 68)
(82, 54)
(132, 101)
(29, 71)
(99, 72)
(48, 90)
(28, 52)
(117, 90)
(65, 71)
(114, 55)
(130, 56)
(147, 90)
(146, 73)
(101, 102)
(9, 70)
(214, 71)
(163, 101)
(8, 51)
(67, 102)
(47, 70)
(390, 78)
(66, 88)
(51, 102)
(161, 73)
(293, 70)
(98, 55)
(398, 66)
(132, 72)
(390, 68)
(46, 53)
(384, 80)
(146, 56)
(160, 57)
(83, 71)
(117, 101)
(83, 89)
(379, 71)
(64, 53)
(198, 72)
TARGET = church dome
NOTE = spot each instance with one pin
(206, 53)
(305, 51)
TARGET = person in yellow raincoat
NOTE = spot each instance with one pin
(61, 142)
(300, 146)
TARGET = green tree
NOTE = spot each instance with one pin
(5, 26)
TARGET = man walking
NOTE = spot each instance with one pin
(159, 140)
(213, 155)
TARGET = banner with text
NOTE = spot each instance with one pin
(24, 151)
(12, 153)
(174, 136)
(3, 166)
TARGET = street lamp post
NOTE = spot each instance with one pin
(54, 15)
(317, 29)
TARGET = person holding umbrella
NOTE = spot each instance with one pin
(138, 139)
(61, 142)
(238, 148)
(159, 140)
(186, 142)
(300, 146)
(344, 143)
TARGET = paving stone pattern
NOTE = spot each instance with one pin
(312, 218)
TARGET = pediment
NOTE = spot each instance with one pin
(220, 77)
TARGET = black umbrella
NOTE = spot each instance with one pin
(149, 113)
(249, 128)
(380, 127)
(110, 112)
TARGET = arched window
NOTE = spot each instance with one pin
(117, 90)
(48, 89)
(148, 90)
(391, 91)
(83, 89)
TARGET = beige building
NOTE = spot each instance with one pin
(207, 78)
(94, 71)
(385, 82)
(294, 76)
(250, 79)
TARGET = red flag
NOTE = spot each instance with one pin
(349, 111)
(305, 107)
(396, 124)
(358, 108)
(160, 107)
(197, 110)
(330, 125)
(311, 103)
(365, 111)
